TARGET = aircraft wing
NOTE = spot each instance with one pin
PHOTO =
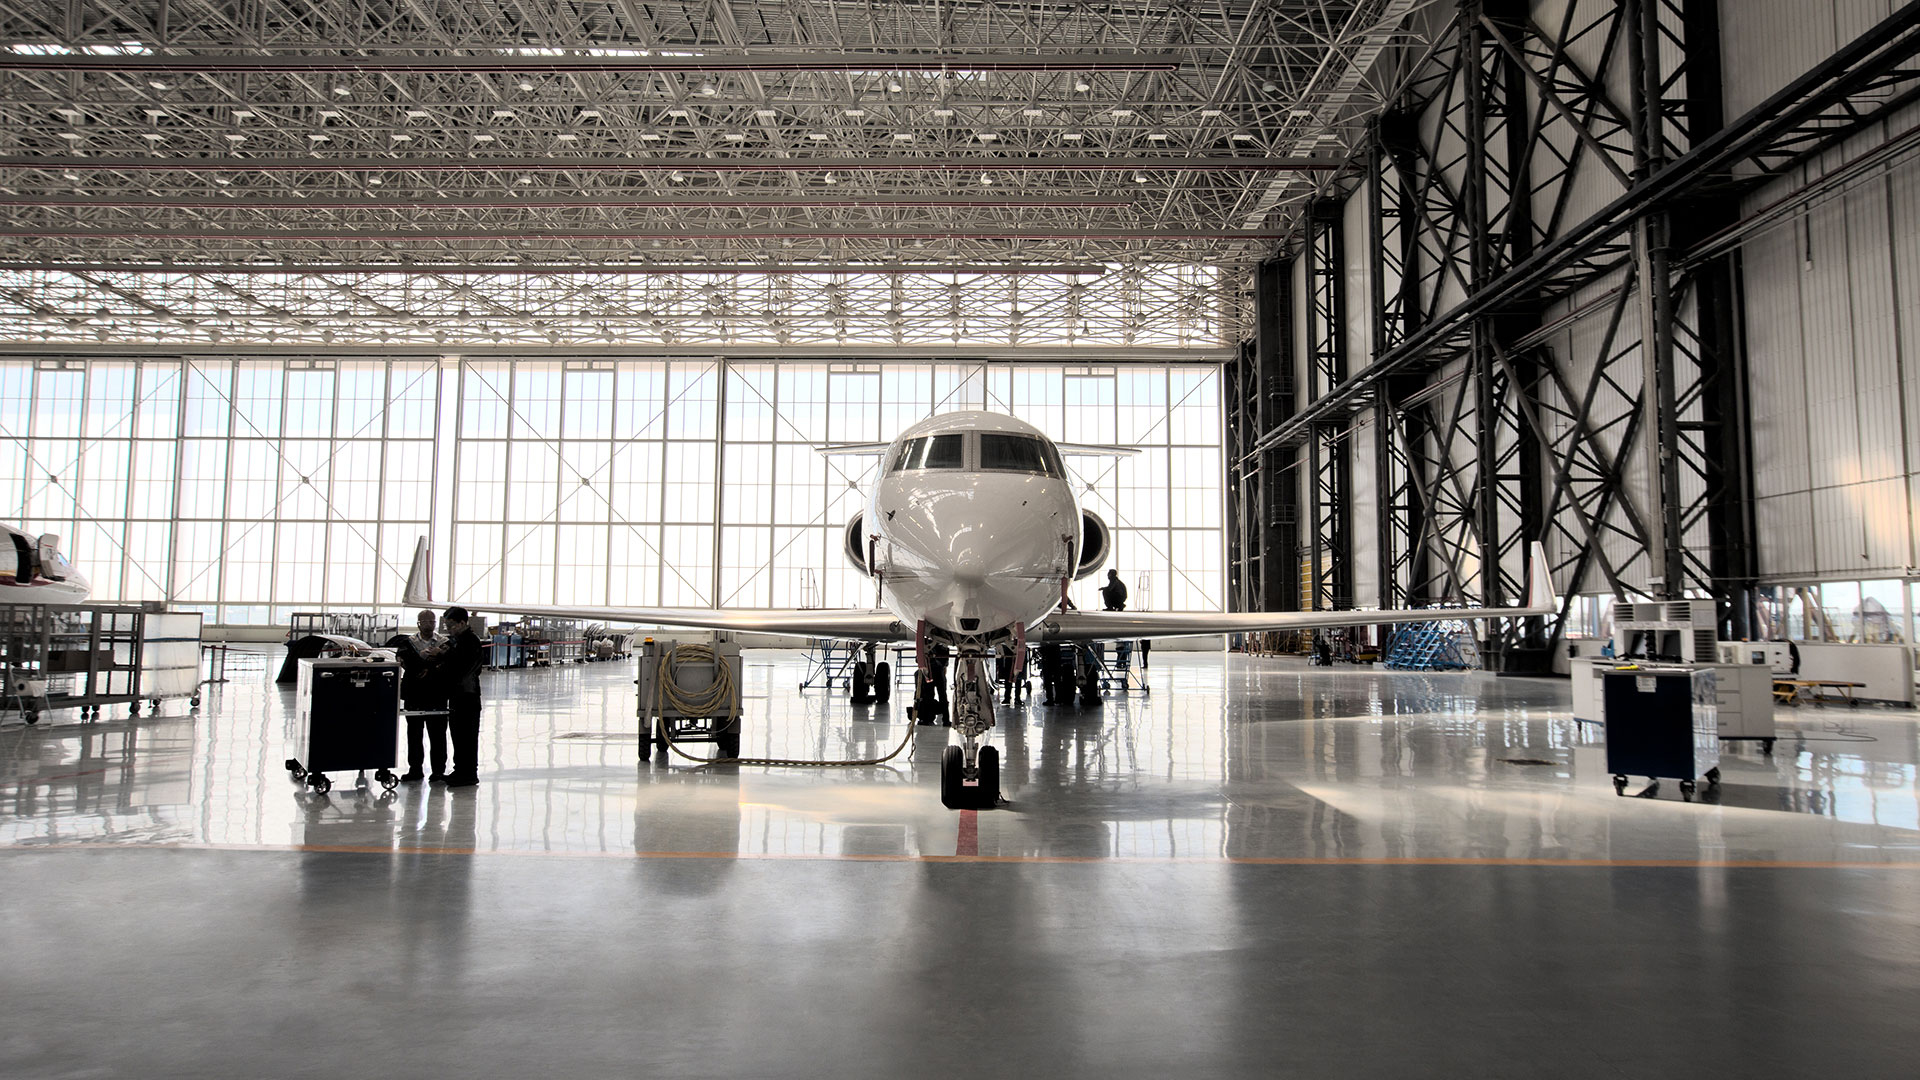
(877, 625)
(1113, 625)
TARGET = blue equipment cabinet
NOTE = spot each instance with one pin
(1662, 722)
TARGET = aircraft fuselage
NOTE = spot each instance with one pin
(974, 536)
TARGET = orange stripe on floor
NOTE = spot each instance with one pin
(1163, 860)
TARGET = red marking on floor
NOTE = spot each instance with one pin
(969, 834)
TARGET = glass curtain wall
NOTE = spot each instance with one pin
(252, 489)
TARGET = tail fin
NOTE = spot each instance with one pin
(1540, 597)
(419, 592)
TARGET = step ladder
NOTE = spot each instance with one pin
(1433, 646)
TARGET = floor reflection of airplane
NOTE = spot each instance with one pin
(972, 532)
(38, 573)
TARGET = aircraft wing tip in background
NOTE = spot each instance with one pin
(418, 592)
(1540, 593)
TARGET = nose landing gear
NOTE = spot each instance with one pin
(970, 772)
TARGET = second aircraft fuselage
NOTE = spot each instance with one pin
(976, 524)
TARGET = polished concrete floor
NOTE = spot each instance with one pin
(1257, 869)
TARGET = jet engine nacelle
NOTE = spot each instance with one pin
(854, 543)
(1096, 543)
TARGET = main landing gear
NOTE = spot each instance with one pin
(872, 680)
(970, 772)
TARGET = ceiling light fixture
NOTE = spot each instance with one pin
(342, 91)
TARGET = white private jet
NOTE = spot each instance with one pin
(38, 573)
(973, 533)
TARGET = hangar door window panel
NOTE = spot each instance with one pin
(797, 577)
(356, 480)
(413, 405)
(639, 486)
(750, 393)
(1090, 415)
(853, 405)
(906, 390)
(306, 468)
(197, 561)
(407, 495)
(584, 482)
(688, 554)
(747, 489)
(583, 575)
(477, 551)
(1039, 399)
(256, 400)
(1195, 489)
(360, 402)
(484, 410)
(248, 564)
(690, 483)
(209, 407)
(633, 565)
(309, 404)
(153, 480)
(102, 468)
(640, 402)
(396, 556)
(300, 561)
(527, 563)
(536, 401)
(533, 475)
(1142, 483)
(149, 547)
(480, 494)
(253, 485)
(351, 558)
(110, 401)
(1196, 571)
(1194, 419)
(807, 487)
(692, 404)
(1140, 410)
(157, 410)
(58, 400)
(745, 552)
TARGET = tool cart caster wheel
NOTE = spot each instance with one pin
(387, 779)
(1686, 790)
(1713, 776)
(320, 783)
(31, 718)
(194, 701)
(360, 782)
(1766, 747)
(1619, 785)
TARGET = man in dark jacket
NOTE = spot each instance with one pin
(425, 698)
(1114, 593)
(459, 669)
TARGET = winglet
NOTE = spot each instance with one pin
(1540, 596)
(419, 592)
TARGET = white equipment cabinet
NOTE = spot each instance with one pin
(1744, 694)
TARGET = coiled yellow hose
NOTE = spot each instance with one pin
(720, 700)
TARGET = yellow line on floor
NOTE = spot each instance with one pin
(1177, 860)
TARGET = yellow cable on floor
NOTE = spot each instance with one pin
(711, 701)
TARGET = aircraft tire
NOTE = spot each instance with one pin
(860, 696)
(987, 795)
(952, 795)
(883, 683)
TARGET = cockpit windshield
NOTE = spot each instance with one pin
(932, 452)
(1003, 452)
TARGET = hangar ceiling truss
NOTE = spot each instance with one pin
(546, 160)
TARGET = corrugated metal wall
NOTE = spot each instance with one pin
(1766, 44)
(1357, 233)
(1830, 319)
